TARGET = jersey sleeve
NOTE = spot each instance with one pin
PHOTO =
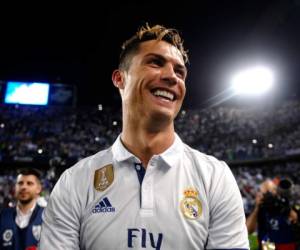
(227, 228)
(61, 218)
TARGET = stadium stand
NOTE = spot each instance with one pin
(256, 143)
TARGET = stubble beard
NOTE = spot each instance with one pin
(25, 201)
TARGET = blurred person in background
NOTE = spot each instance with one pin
(274, 216)
(20, 226)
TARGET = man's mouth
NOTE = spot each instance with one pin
(164, 94)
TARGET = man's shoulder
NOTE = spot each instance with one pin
(82, 170)
(7, 210)
(91, 162)
(39, 207)
(201, 157)
(207, 166)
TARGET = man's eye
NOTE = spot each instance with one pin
(155, 61)
(180, 73)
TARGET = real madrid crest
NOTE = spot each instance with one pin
(190, 205)
(104, 177)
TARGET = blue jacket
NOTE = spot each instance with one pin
(276, 228)
(12, 237)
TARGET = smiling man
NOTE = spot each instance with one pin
(20, 226)
(149, 190)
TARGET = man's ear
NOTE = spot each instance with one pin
(39, 189)
(118, 78)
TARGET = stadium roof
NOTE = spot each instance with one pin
(80, 44)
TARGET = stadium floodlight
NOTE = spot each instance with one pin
(254, 141)
(253, 81)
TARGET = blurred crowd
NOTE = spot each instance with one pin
(42, 133)
(29, 133)
(232, 133)
(60, 136)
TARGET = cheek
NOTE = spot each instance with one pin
(38, 189)
(129, 95)
(183, 91)
(133, 92)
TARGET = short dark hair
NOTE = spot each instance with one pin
(30, 171)
(146, 33)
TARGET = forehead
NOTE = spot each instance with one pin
(26, 178)
(167, 50)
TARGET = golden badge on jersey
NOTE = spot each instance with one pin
(104, 177)
(190, 205)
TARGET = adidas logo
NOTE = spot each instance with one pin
(103, 206)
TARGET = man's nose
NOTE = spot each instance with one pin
(168, 74)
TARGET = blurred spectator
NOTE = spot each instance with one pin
(274, 216)
(20, 226)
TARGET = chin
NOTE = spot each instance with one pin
(162, 118)
(25, 201)
(166, 114)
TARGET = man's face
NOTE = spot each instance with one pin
(154, 85)
(27, 188)
(268, 186)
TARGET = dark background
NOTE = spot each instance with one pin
(79, 44)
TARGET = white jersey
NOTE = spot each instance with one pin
(184, 200)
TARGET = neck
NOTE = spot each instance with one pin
(145, 139)
(25, 207)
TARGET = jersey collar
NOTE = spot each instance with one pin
(170, 156)
(173, 154)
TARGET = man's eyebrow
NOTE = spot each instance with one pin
(160, 57)
(156, 55)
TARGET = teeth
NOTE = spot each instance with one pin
(165, 94)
